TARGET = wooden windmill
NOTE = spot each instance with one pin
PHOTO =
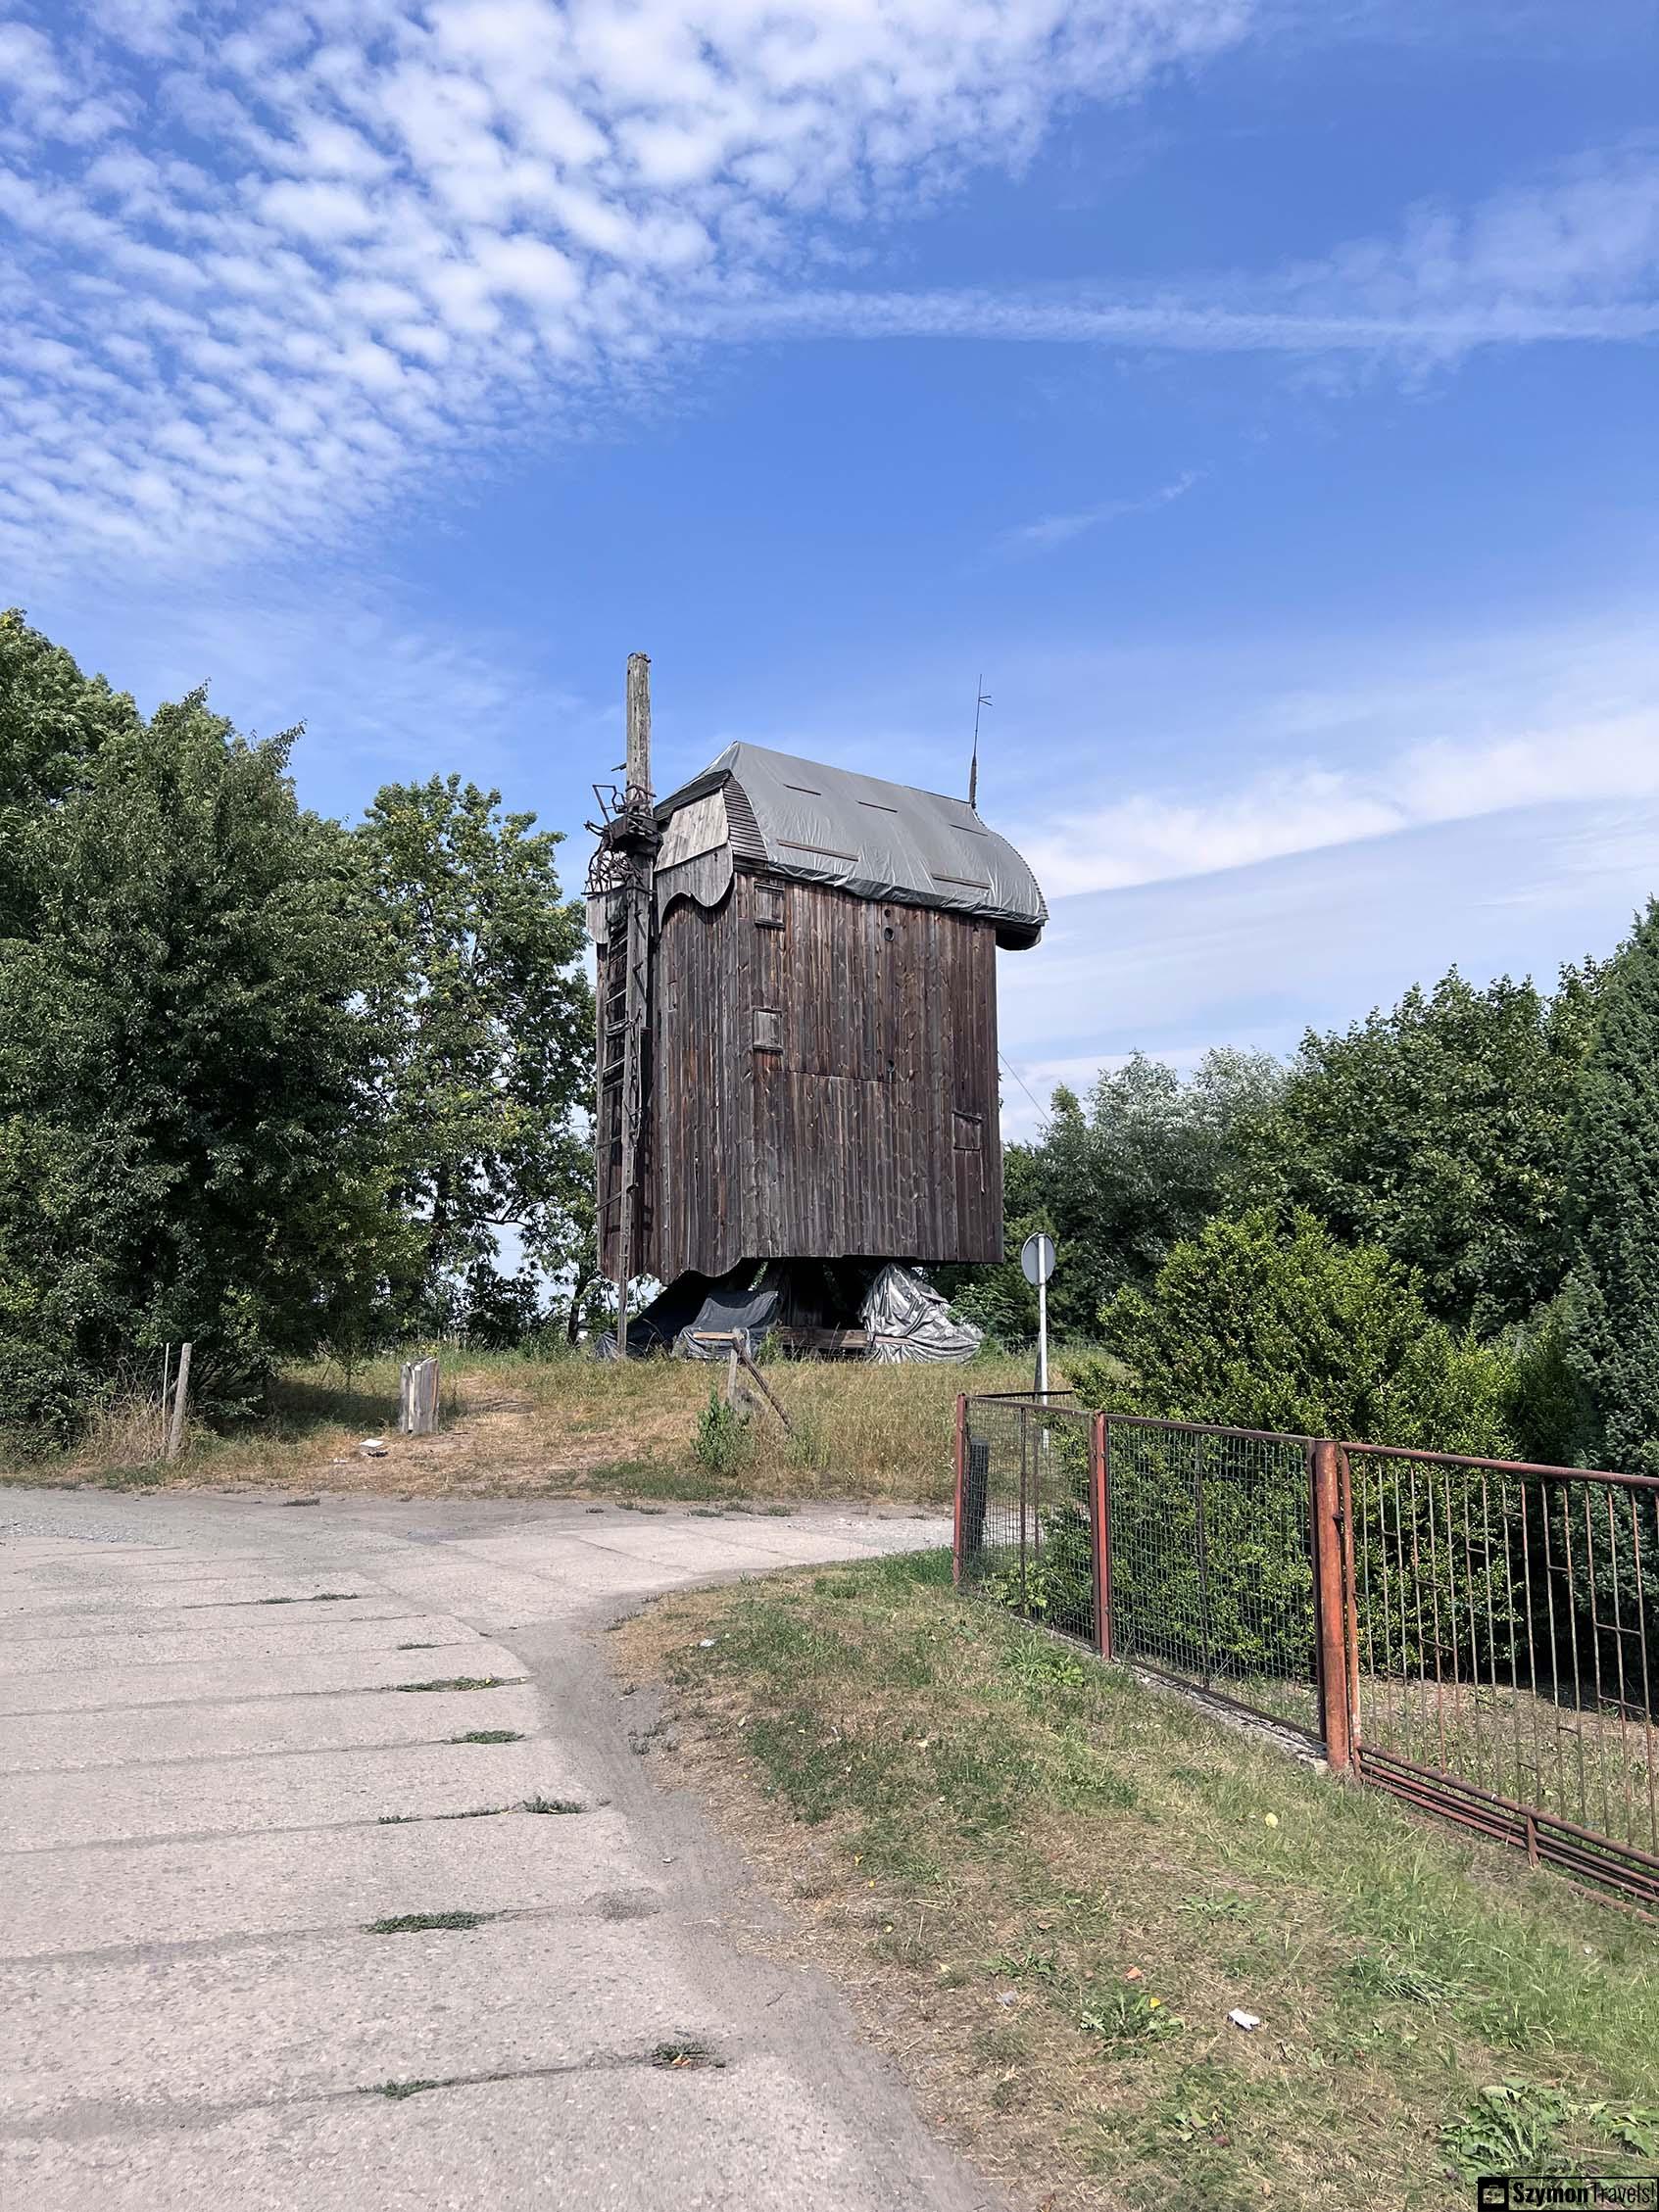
(797, 1017)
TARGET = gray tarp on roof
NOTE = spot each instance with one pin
(874, 838)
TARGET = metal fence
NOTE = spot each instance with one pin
(1504, 1653)
(1478, 1637)
(1024, 1509)
(1211, 1563)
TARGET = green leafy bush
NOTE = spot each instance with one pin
(1440, 1130)
(722, 1442)
(1270, 1323)
(1549, 1408)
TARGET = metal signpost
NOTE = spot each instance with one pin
(1036, 1261)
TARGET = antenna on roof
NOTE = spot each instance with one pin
(984, 700)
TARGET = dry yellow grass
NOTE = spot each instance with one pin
(513, 1425)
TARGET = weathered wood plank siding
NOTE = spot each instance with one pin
(824, 1089)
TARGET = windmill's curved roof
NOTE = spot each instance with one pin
(859, 834)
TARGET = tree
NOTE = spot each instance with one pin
(1118, 1180)
(1270, 1323)
(1440, 1132)
(53, 722)
(1614, 1300)
(188, 1139)
(489, 1017)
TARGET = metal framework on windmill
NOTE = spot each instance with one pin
(797, 1017)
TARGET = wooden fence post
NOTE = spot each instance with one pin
(418, 1398)
(180, 1402)
(956, 1489)
(1101, 1530)
(1332, 1600)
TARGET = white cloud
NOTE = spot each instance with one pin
(28, 62)
(351, 234)
(401, 224)
(1253, 958)
(319, 213)
(1569, 719)
(1574, 259)
(1050, 531)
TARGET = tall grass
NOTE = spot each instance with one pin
(515, 1424)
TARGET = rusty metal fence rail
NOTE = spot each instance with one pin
(1478, 1637)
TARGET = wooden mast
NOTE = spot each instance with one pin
(636, 847)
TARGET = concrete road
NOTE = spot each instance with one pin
(206, 1798)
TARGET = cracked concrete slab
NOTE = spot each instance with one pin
(448, 1648)
(610, 2139)
(260, 1638)
(256, 1794)
(216, 2030)
(35, 1602)
(191, 2013)
(69, 1742)
(112, 1895)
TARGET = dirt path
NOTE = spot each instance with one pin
(209, 1798)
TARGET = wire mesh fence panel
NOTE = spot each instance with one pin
(1490, 1631)
(1506, 1653)
(1211, 1566)
(1025, 1533)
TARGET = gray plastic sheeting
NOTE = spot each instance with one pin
(908, 1320)
(873, 839)
(905, 1317)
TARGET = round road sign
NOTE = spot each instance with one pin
(1037, 1258)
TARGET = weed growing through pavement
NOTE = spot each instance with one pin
(319, 1598)
(678, 2055)
(484, 1811)
(415, 1923)
(465, 1682)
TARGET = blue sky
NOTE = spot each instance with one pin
(1260, 394)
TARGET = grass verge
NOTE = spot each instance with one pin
(1045, 1888)
(514, 1426)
